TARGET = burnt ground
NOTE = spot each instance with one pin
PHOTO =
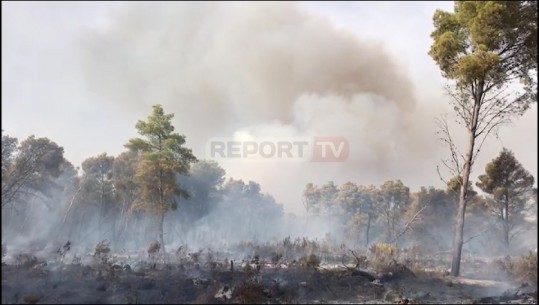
(56, 282)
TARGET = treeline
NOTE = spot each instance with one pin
(501, 219)
(157, 190)
(125, 198)
(44, 196)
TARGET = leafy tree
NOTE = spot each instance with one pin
(36, 164)
(163, 156)
(311, 199)
(96, 185)
(204, 185)
(368, 197)
(245, 206)
(431, 230)
(70, 181)
(392, 201)
(349, 196)
(9, 147)
(509, 186)
(482, 47)
(328, 200)
(358, 202)
(124, 169)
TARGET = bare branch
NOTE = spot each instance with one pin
(455, 167)
(71, 204)
(476, 235)
(410, 222)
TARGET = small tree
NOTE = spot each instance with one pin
(509, 186)
(163, 156)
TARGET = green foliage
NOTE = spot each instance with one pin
(124, 169)
(509, 186)
(431, 227)
(481, 48)
(360, 207)
(9, 147)
(393, 201)
(487, 41)
(163, 156)
(204, 185)
(251, 208)
(96, 181)
(30, 169)
(506, 177)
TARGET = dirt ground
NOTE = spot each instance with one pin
(259, 282)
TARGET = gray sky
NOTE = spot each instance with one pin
(83, 73)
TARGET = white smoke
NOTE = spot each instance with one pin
(264, 69)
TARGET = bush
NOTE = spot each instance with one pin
(310, 261)
(521, 269)
(383, 255)
(276, 258)
(154, 248)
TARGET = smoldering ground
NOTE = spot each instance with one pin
(235, 70)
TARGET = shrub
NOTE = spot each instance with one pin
(521, 269)
(102, 251)
(310, 261)
(276, 258)
(383, 255)
(154, 248)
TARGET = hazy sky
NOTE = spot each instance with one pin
(83, 73)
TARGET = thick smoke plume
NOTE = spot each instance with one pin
(269, 69)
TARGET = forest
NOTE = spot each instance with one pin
(159, 224)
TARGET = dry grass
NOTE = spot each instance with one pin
(520, 269)
(249, 292)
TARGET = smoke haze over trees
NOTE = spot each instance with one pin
(109, 110)
(103, 200)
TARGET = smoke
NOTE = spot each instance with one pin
(263, 69)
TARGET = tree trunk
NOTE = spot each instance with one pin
(459, 229)
(506, 225)
(368, 229)
(457, 244)
(161, 235)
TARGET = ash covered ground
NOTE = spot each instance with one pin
(290, 271)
